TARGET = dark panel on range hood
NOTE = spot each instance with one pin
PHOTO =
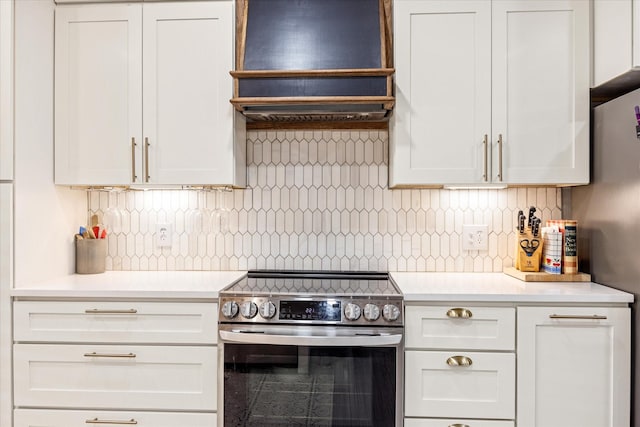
(313, 86)
(312, 34)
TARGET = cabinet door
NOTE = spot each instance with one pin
(115, 322)
(109, 376)
(573, 371)
(441, 422)
(188, 119)
(436, 327)
(62, 418)
(6, 90)
(436, 387)
(613, 46)
(6, 237)
(443, 92)
(541, 92)
(98, 94)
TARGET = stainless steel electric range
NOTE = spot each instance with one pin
(312, 349)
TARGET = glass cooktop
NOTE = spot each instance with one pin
(314, 283)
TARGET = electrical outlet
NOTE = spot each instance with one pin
(164, 232)
(475, 237)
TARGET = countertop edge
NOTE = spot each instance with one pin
(500, 298)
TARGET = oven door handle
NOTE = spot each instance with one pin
(352, 340)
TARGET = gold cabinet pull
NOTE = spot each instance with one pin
(133, 160)
(459, 312)
(500, 157)
(485, 162)
(459, 361)
(577, 317)
(99, 311)
(114, 355)
(146, 159)
(458, 425)
(99, 421)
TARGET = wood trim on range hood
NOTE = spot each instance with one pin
(335, 107)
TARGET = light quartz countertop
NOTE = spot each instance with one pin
(499, 287)
(134, 284)
(416, 287)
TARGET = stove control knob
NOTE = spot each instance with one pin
(230, 309)
(352, 311)
(371, 312)
(248, 309)
(390, 312)
(267, 310)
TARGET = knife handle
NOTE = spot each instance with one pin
(532, 210)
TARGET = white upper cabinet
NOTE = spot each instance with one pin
(142, 95)
(616, 38)
(443, 91)
(540, 92)
(491, 93)
(6, 90)
(98, 94)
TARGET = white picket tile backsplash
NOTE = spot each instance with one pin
(317, 200)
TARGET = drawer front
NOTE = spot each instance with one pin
(483, 389)
(425, 422)
(104, 376)
(475, 328)
(62, 418)
(115, 322)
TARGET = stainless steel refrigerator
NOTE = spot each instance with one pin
(608, 211)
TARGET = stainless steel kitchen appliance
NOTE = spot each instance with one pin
(311, 348)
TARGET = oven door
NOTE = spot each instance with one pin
(310, 376)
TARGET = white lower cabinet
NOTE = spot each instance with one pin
(460, 366)
(460, 384)
(441, 422)
(574, 366)
(62, 418)
(115, 376)
(138, 363)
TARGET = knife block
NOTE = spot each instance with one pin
(528, 252)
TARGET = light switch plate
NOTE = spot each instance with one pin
(164, 233)
(475, 237)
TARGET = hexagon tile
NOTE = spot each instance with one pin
(316, 200)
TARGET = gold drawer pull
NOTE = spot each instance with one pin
(98, 311)
(98, 421)
(458, 425)
(577, 317)
(459, 361)
(459, 313)
(118, 355)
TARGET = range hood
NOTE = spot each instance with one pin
(313, 60)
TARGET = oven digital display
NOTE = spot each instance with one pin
(327, 310)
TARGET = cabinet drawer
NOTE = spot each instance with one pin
(482, 328)
(108, 376)
(426, 422)
(61, 418)
(484, 389)
(111, 322)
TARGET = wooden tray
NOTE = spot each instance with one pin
(541, 276)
